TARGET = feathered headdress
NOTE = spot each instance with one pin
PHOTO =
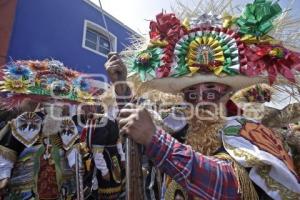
(47, 80)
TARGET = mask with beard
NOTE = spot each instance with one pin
(203, 132)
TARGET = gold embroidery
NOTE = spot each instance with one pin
(71, 143)
(249, 158)
(171, 191)
(245, 186)
(273, 185)
(69, 125)
(24, 187)
(97, 149)
(110, 190)
(19, 137)
(115, 169)
(54, 140)
(26, 119)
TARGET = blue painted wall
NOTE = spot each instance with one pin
(54, 29)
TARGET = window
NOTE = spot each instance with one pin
(97, 40)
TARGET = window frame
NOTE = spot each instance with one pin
(101, 30)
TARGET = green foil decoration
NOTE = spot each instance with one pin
(146, 62)
(258, 17)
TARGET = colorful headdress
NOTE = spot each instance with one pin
(47, 80)
(236, 51)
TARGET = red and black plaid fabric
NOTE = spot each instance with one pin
(202, 176)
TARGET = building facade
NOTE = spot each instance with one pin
(72, 31)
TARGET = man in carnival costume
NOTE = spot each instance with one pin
(39, 146)
(35, 144)
(206, 58)
(104, 157)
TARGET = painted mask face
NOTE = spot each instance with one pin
(205, 92)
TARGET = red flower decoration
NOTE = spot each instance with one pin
(167, 26)
(273, 59)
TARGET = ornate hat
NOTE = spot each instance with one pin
(204, 47)
(47, 80)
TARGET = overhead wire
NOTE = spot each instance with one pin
(106, 27)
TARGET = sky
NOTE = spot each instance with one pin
(136, 13)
